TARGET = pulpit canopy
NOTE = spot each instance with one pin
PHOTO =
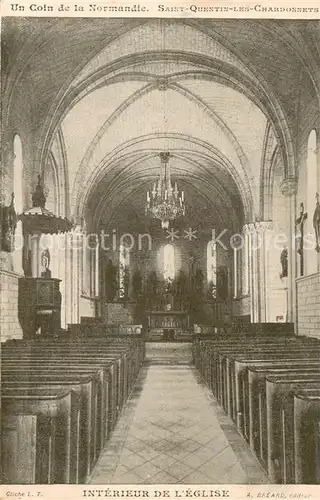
(40, 220)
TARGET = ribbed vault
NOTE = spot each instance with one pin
(119, 91)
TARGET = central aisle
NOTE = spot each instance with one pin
(173, 431)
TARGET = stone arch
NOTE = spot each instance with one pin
(206, 152)
(257, 93)
(270, 156)
(243, 160)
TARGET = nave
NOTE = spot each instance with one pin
(173, 431)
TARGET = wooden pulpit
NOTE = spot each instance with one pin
(39, 306)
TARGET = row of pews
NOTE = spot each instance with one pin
(270, 388)
(61, 400)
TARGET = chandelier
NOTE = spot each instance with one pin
(165, 202)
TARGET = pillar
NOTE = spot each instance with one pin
(18, 249)
(77, 246)
(289, 190)
(96, 271)
(246, 286)
(72, 288)
(34, 240)
(257, 237)
(249, 231)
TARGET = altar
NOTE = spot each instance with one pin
(168, 325)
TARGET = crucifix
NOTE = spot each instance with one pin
(316, 222)
(300, 223)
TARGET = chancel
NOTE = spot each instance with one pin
(159, 251)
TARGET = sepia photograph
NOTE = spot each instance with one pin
(159, 250)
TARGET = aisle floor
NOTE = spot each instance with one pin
(173, 431)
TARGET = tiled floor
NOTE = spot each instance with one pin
(173, 431)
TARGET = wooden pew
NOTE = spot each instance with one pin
(112, 362)
(240, 364)
(280, 421)
(40, 435)
(79, 381)
(215, 370)
(38, 365)
(306, 436)
(103, 416)
(260, 405)
(252, 388)
(237, 375)
(126, 358)
(216, 354)
(51, 352)
(224, 385)
(226, 368)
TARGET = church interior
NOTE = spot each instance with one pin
(160, 251)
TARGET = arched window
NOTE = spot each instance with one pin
(124, 262)
(168, 262)
(18, 174)
(18, 202)
(312, 188)
(212, 263)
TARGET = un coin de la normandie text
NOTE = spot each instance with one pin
(161, 8)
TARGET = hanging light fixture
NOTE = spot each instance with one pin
(165, 202)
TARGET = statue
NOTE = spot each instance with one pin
(222, 283)
(181, 290)
(45, 263)
(300, 222)
(136, 284)
(38, 197)
(316, 223)
(8, 219)
(111, 284)
(126, 283)
(284, 262)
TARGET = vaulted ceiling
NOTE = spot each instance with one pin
(119, 91)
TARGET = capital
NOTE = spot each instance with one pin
(263, 225)
(289, 186)
(77, 228)
(248, 228)
(258, 227)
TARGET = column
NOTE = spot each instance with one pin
(257, 234)
(96, 270)
(248, 230)
(77, 246)
(34, 241)
(61, 240)
(264, 229)
(289, 190)
(84, 265)
(68, 279)
(246, 289)
(235, 273)
(18, 249)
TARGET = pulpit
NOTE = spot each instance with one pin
(39, 306)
